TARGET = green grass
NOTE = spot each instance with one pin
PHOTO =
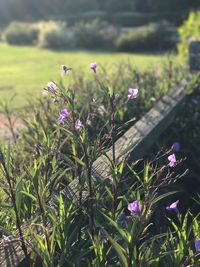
(26, 70)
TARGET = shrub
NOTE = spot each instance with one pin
(165, 36)
(1, 34)
(55, 35)
(85, 16)
(152, 38)
(130, 19)
(189, 31)
(87, 35)
(92, 15)
(20, 33)
(134, 19)
(59, 40)
(133, 41)
(109, 34)
(94, 34)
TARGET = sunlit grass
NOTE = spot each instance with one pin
(26, 70)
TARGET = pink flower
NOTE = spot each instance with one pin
(173, 206)
(172, 160)
(101, 109)
(79, 125)
(52, 87)
(93, 67)
(133, 93)
(63, 116)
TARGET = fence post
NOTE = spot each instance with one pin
(194, 56)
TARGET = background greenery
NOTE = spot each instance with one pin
(93, 35)
(26, 70)
(189, 31)
(114, 10)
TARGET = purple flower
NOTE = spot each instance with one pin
(93, 67)
(197, 245)
(63, 116)
(52, 87)
(133, 93)
(134, 207)
(101, 109)
(79, 125)
(173, 206)
(65, 69)
(122, 218)
(176, 146)
(17, 136)
(194, 101)
(172, 160)
(59, 157)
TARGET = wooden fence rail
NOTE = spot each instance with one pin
(131, 146)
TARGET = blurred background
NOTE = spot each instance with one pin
(40, 35)
(126, 13)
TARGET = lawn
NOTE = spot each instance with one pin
(26, 70)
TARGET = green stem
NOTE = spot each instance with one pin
(13, 200)
(112, 119)
(91, 195)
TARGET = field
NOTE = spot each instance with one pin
(26, 70)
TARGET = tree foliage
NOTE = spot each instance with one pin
(189, 31)
(40, 9)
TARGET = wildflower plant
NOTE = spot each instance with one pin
(97, 221)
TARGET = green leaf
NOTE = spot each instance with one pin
(117, 227)
(155, 200)
(29, 195)
(110, 91)
(120, 251)
(19, 186)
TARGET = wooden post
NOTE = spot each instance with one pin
(194, 56)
